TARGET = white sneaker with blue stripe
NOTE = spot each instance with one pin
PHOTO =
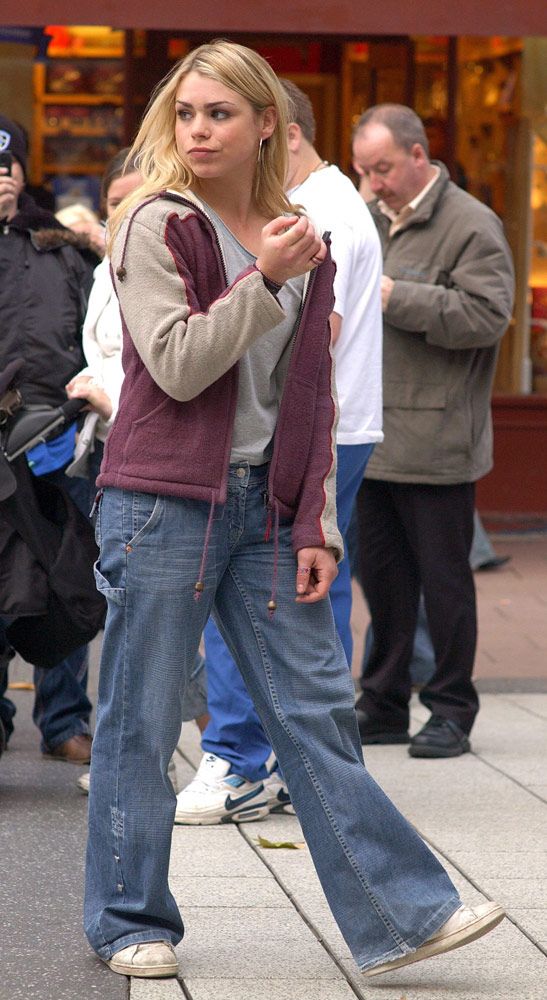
(277, 793)
(216, 796)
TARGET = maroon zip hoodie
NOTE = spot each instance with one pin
(184, 330)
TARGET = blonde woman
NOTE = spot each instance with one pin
(218, 485)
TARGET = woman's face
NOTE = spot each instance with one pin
(217, 131)
(119, 189)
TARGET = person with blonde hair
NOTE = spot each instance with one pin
(217, 495)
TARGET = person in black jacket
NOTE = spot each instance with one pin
(44, 281)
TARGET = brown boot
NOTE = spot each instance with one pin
(76, 750)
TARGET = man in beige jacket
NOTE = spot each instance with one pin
(447, 293)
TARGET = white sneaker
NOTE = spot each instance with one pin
(465, 925)
(149, 960)
(83, 783)
(277, 793)
(83, 780)
(172, 775)
(215, 796)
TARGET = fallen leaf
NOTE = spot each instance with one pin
(287, 844)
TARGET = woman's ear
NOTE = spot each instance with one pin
(269, 121)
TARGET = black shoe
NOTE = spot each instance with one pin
(439, 738)
(374, 732)
(493, 563)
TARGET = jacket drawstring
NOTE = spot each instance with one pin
(121, 271)
(199, 585)
(272, 603)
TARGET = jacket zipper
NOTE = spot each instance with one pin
(268, 497)
(201, 211)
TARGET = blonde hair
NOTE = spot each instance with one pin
(154, 149)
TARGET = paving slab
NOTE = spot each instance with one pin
(265, 989)
(219, 851)
(503, 864)
(252, 945)
(536, 704)
(522, 756)
(535, 920)
(230, 893)
(156, 989)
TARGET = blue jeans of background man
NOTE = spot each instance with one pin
(234, 731)
(385, 888)
(61, 706)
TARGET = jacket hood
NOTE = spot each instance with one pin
(47, 233)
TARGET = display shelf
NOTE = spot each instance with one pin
(89, 99)
(89, 53)
(82, 132)
(78, 112)
(71, 168)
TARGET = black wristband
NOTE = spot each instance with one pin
(273, 286)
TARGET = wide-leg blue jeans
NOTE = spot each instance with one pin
(386, 890)
(234, 731)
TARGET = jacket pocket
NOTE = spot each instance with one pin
(414, 428)
(408, 396)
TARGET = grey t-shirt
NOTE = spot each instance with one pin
(263, 368)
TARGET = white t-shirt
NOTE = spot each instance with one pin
(333, 204)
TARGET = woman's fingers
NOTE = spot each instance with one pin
(290, 246)
(315, 572)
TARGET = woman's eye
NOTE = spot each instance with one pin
(219, 114)
(183, 115)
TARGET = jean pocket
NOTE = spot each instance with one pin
(115, 594)
(146, 511)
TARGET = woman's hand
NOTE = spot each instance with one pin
(316, 571)
(289, 246)
(85, 387)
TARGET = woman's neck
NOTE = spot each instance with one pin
(230, 201)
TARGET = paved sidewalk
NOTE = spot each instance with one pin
(258, 927)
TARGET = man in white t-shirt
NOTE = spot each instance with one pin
(236, 749)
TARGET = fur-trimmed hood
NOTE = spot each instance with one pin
(46, 232)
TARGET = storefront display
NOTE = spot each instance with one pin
(538, 272)
(468, 92)
(78, 105)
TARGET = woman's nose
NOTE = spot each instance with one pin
(200, 125)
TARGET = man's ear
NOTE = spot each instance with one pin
(418, 153)
(269, 121)
(294, 137)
